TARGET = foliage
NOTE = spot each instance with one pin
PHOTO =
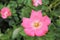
(11, 29)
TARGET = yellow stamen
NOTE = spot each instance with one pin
(36, 24)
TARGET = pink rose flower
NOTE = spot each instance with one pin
(5, 12)
(36, 25)
(37, 2)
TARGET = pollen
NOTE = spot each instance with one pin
(36, 24)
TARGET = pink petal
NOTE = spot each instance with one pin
(35, 2)
(47, 20)
(36, 15)
(40, 2)
(29, 32)
(5, 12)
(26, 23)
(5, 9)
(42, 31)
(4, 16)
(9, 14)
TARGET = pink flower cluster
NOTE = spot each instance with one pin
(5, 12)
(36, 25)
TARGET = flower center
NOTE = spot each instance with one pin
(36, 24)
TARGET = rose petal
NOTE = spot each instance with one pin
(42, 31)
(29, 32)
(36, 15)
(26, 23)
(47, 20)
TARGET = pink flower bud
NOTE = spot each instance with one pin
(5, 12)
(37, 2)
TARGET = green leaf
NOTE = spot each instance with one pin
(45, 2)
(20, 1)
(50, 36)
(13, 12)
(11, 22)
(29, 2)
(16, 19)
(12, 4)
(4, 37)
(25, 13)
(29, 38)
(44, 7)
(58, 23)
(52, 27)
(1, 6)
(22, 31)
(39, 38)
(57, 12)
(1, 35)
(7, 35)
(15, 33)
